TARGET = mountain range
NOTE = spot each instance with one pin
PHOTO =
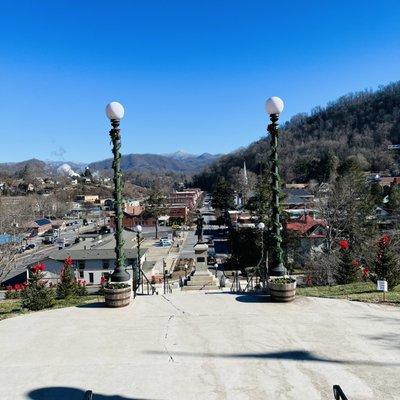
(178, 162)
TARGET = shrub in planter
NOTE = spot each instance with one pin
(282, 289)
(117, 294)
(37, 296)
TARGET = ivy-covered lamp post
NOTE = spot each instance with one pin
(274, 106)
(138, 230)
(263, 274)
(115, 112)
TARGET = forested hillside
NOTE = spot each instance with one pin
(358, 126)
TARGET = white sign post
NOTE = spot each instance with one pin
(382, 286)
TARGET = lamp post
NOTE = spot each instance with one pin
(274, 106)
(261, 227)
(115, 113)
(138, 230)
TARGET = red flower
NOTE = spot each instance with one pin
(366, 272)
(384, 241)
(343, 244)
(38, 267)
(68, 261)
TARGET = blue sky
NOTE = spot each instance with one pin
(192, 75)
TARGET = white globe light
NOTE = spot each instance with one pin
(138, 228)
(274, 105)
(115, 110)
(261, 225)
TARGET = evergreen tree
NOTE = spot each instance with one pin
(346, 272)
(386, 264)
(393, 204)
(37, 296)
(260, 204)
(222, 195)
(68, 286)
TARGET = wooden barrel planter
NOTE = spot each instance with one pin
(117, 297)
(282, 289)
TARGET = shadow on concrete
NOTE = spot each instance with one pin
(293, 355)
(68, 393)
(254, 298)
(389, 340)
(99, 304)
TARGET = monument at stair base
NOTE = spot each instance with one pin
(202, 278)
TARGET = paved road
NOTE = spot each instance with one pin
(196, 346)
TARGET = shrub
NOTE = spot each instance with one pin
(81, 289)
(37, 296)
(386, 264)
(347, 271)
(68, 286)
(14, 291)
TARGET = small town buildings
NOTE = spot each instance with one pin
(39, 226)
(238, 218)
(94, 258)
(310, 234)
(185, 197)
(178, 214)
(87, 198)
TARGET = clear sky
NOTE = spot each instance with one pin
(192, 75)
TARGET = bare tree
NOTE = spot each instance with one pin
(14, 212)
(347, 206)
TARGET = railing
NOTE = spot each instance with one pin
(143, 285)
(338, 393)
(88, 395)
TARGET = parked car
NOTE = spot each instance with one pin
(165, 242)
(31, 246)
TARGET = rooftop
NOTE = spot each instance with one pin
(203, 346)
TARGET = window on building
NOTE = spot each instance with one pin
(81, 264)
(200, 259)
(91, 277)
(81, 274)
(106, 264)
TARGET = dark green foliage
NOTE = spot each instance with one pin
(260, 203)
(357, 127)
(393, 204)
(81, 289)
(222, 195)
(246, 247)
(12, 294)
(67, 287)
(386, 264)
(37, 296)
(346, 271)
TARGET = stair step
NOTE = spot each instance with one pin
(200, 287)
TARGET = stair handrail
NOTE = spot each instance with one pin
(88, 395)
(338, 393)
(149, 285)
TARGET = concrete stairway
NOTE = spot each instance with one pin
(202, 280)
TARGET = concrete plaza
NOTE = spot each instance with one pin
(203, 346)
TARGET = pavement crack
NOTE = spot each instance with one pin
(166, 338)
(173, 305)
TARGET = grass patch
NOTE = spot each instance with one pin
(359, 291)
(12, 308)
